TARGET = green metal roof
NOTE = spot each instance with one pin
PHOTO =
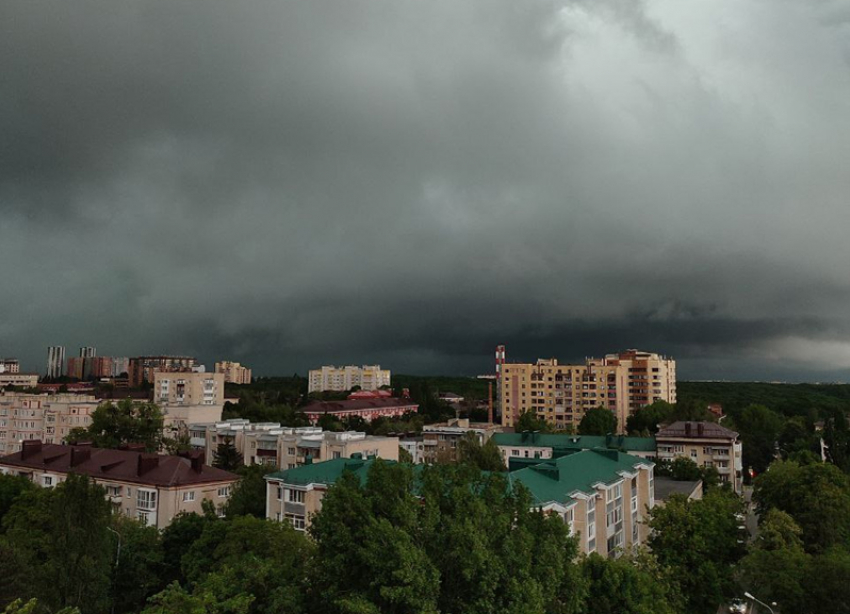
(575, 442)
(556, 479)
(326, 472)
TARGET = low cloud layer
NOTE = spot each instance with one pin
(297, 183)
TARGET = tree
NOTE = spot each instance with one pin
(629, 585)
(699, 542)
(137, 569)
(227, 457)
(404, 456)
(12, 487)
(648, 419)
(528, 421)
(177, 539)
(128, 422)
(486, 457)
(598, 421)
(248, 497)
(816, 496)
(61, 537)
(828, 582)
(759, 428)
(777, 565)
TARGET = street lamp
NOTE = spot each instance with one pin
(749, 596)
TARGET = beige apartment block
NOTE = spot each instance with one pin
(188, 397)
(708, 445)
(439, 441)
(150, 487)
(268, 443)
(341, 379)
(45, 417)
(142, 368)
(234, 373)
(20, 380)
(561, 394)
(10, 365)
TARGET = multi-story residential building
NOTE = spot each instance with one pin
(188, 397)
(271, 444)
(100, 366)
(55, 361)
(20, 380)
(546, 446)
(120, 366)
(44, 417)
(150, 487)
(142, 368)
(439, 441)
(76, 365)
(10, 365)
(561, 394)
(340, 379)
(367, 409)
(603, 495)
(708, 445)
(234, 373)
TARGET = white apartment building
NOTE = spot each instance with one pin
(56, 361)
(10, 365)
(269, 443)
(341, 379)
(708, 445)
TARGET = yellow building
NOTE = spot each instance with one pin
(561, 394)
(340, 379)
(188, 397)
(234, 373)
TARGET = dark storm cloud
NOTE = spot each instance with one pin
(295, 183)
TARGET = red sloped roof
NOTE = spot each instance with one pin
(356, 404)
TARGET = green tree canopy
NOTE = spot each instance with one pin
(529, 421)
(127, 422)
(629, 585)
(227, 457)
(598, 421)
(248, 497)
(486, 457)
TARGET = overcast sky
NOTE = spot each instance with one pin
(289, 184)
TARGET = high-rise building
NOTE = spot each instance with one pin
(234, 373)
(10, 365)
(340, 379)
(100, 366)
(120, 364)
(55, 361)
(561, 394)
(188, 397)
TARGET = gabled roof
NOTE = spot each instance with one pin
(558, 480)
(575, 442)
(700, 430)
(117, 465)
(326, 472)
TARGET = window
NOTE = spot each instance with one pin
(290, 451)
(145, 517)
(297, 521)
(279, 493)
(188, 496)
(224, 491)
(129, 492)
(146, 499)
(337, 455)
(113, 491)
(47, 480)
(295, 496)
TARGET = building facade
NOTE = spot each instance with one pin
(341, 379)
(268, 443)
(708, 445)
(439, 441)
(152, 488)
(20, 380)
(234, 373)
(44, 417)
(55, 361)
(188, 397)
(10, 365)
(561, 394)
(142, 368)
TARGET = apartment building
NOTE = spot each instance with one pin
(269, 443)
(188, 397)
(546, 446)
(44, 417)
(708, 445)
(142, 368)
(10, 365)
(55, 361)
(340, 379)
(150, 487)
(603, 495)
(367, 409)
(439, 441)
(21, 380)
(561, 394)
(234, 373)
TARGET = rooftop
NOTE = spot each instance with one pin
(707, 430)
(118, 465)
(570, 443)
(665, 487)
(560, 479)
(354, 404)
(327, 472)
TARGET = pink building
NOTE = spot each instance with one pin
(368, 409)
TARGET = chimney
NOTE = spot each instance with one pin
(197, 461)
(79, 455)
(687, 429)
(30, 448)
(146, 463)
